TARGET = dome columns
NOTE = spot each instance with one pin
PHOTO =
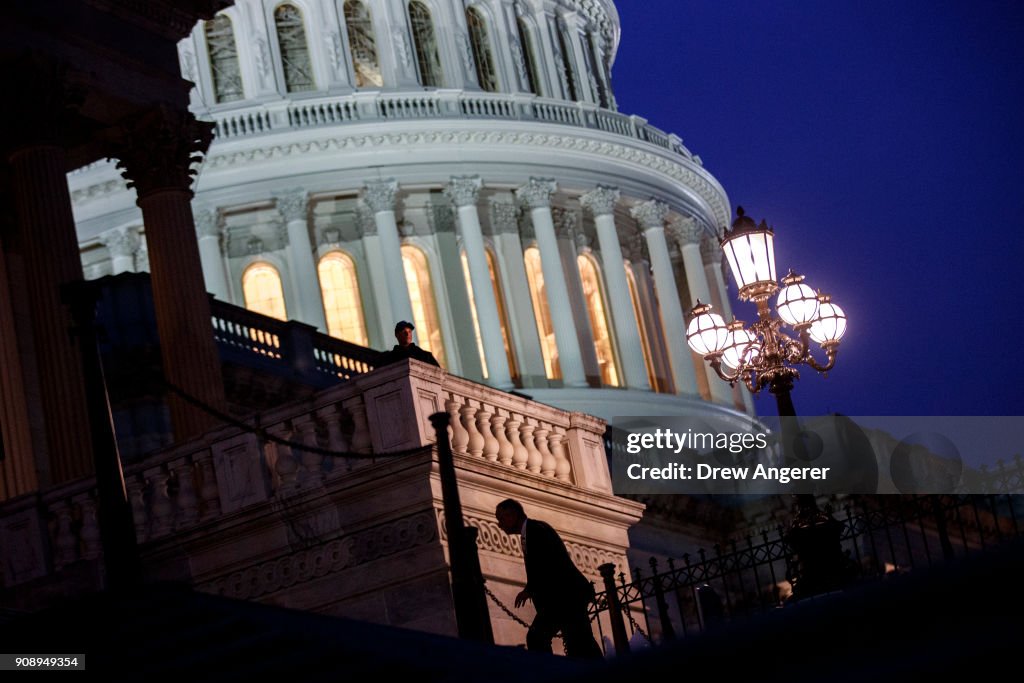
(294, 209)
(393, 301)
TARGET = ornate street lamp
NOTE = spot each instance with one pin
(763, 354)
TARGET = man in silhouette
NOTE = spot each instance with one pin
(405, 348)
(559, 591)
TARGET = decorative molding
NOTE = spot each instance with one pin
(601, 200)
(463, 190)
(401, 45)
(121, 241)
(536, 193)
(209, 222)
(99, 190)
(364, 217)
(336, 50)
(351, 550)
(380, 195)
(466, 52)
(690, 178)
(651, 214)
(293, 205)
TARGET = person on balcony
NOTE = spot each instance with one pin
(406, 348)
(560, 593)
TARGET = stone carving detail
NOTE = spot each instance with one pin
(635, 249)
(651, 214)
(440, 217)
(334, 556)
(401, 44)
(463, 190)
(379, 195)
(685, 230)
(122, 242)
(537, 192)
(335, 49)
(365, 219)
(711, 251)
(254, 246)
(519, 61)
(263, 60)
(466, 52)
(330, 237)
(208, 222)
(601, 201)
(566, 223)
(156, 150)
(504, 216)
(293, 205)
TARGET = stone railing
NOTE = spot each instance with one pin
(349, 426)
(264, 118)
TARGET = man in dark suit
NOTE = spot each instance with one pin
(559, 591)
(405, 348)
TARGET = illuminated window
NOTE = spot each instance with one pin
(362, 45)
(342, 303)
(421, 296)
(485, 72)
(220, 44)
(541, 313)
(496, 285)
(261, 287)
(645, 342)
(425, 44)
(291, 38)
(532, 75)
(598, 320)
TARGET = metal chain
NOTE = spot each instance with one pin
(636, 626)
(509, 612)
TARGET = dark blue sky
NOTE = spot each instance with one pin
(883, 141)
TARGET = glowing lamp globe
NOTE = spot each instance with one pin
(830, 326)
(797, 303)
(750, 250)
(707, 333)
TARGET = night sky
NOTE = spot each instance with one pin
(883, 142)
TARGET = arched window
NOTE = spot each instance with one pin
(224, 70)
(291, 38)
(261, 287)
(486, 74)
(599, 325)
(502, 317)
(342, 304)
(569, 73)
(425, 43)
(362, 45)
(645, 342)
(526, 41)
(421, 296)
(541, 313)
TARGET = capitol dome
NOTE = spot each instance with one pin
(461, 165)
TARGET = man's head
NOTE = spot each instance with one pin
(510, 516)
(403, 332)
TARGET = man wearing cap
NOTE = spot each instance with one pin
(405, 348)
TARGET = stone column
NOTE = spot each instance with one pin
(689, 233)
(651, 215)
(536, 194)
(711, 255)
(383, 324)
(601, 203)
(463, 192)
(209, 228)
(379, 195)
(155, 151)
(294, 208)
(122, 244)
(44, 239)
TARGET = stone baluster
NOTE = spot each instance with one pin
(90, 531)
(505, 448)
(520, 454)
(209, 494)
(535, 458)
(311, 462)
(563, 468)
(476, 440)
(483, 423)
(160, 503)
(137, 497)
(460, 437)
(65, 544)
(188, 501)
(547, 463)
(285, 466)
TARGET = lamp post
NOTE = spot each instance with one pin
(764, 355)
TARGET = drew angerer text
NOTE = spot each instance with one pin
(782, 475)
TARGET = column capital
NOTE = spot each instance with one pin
(209, 222)
(440, 217)
(380, 195)
(601, 200)
(504, 216)
(566, 222)
(364, 215)
(293, 205)
(156, 150)
(463, 190)
(711, 251)
(635, 249)
(651, 214)
(536, 193)
(121, 241)
(685, 229)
